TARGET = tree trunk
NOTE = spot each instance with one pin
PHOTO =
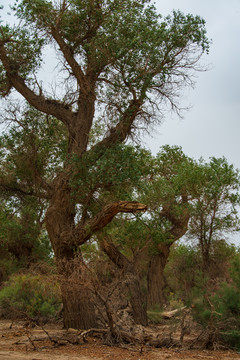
(157, 263)
(156, 280)
(137, 297)
(78, 309)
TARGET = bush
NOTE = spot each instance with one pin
(31, 296)
(219, 311)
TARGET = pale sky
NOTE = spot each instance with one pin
(212, 126)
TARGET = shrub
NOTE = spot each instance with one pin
(34, 296)
(219, 311)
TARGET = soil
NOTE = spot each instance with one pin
(18, 342)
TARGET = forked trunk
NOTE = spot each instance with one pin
(136, 296)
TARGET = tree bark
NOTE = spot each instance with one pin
(156, 280)
(137, 297)
(157, 263)
(78, 310)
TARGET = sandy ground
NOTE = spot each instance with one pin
(19, 343)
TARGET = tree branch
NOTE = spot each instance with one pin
(16, 189)
(68, 55)
(47, 106)
(120, 132)
(104, 217)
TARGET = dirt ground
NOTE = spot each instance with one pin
(20, 343)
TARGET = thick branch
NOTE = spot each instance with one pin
(120, 132)
(104, 217)
(68, 55)
(47, 106)
(113, 253)
(16, 189)
(179, 221)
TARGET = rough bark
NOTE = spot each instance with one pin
(78, 312)
(137, 297)
(156, 280)
(157, 263)
(64, 234)
(78, 308)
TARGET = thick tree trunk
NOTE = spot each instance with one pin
(156, 280)
(157, 263)
(137, 297)
(78, 309)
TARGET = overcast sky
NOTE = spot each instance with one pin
(212, 126)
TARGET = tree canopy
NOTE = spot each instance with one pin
(119, 63)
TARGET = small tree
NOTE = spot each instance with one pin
(215, 208)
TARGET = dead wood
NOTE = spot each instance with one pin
(170, 314)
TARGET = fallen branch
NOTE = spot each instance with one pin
(170, 314)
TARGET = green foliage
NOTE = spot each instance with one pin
(28, 295)
(25, 47)
(183, 272)
(22, 241)
(219, 308)
(117, 170)
(126, 41)
(215, 208)
(33, 148)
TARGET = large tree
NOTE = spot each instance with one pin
(120, 63)
(167, 187)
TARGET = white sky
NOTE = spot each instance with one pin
(212, 126)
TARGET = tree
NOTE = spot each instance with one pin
(169, 195)
(178, 191)
(166, 186)
(120, 61)
(215, 209)
(196, 198)
(26, 153)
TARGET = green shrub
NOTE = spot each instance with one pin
(35, 296)
(219, 310)
(232, 338)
